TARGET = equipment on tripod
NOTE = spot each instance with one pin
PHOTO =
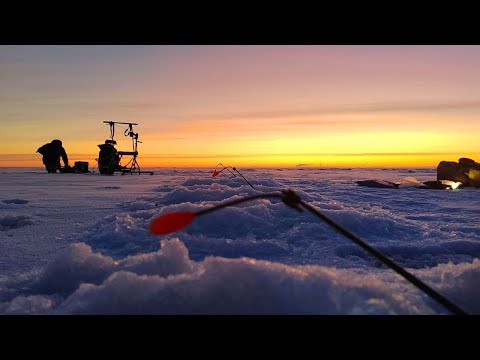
(109, 157)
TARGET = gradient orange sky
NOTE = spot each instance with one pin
(244, 105)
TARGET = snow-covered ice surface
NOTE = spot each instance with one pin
(79, 244)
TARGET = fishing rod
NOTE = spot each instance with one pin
(174, 221)
(216, 173)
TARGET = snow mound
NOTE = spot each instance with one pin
(80, 281)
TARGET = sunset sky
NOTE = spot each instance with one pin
(244, 105)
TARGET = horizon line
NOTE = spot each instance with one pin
(180, 156)
(260, 167)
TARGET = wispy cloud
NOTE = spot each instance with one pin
(85, 102)
(319, 154)
(344, 109)
(357, 117)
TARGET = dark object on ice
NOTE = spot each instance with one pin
(108, 159)
(174, 221)
(410, 182)
(377, 183)
(466, 171)
(52, 152)
(81, 167)
(436, 185)
(66, 170)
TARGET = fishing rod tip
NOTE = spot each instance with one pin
(171, 222)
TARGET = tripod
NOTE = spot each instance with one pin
(132, 166)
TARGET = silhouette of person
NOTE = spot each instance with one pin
(108, 158)
(51, 155)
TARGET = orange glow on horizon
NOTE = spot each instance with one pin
(265, 161)
(319, 143)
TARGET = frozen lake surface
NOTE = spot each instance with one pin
(79, 244)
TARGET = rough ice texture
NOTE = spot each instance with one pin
(80, 281)
(82, 245)
(14, 221)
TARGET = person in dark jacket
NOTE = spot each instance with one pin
(51, 155)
